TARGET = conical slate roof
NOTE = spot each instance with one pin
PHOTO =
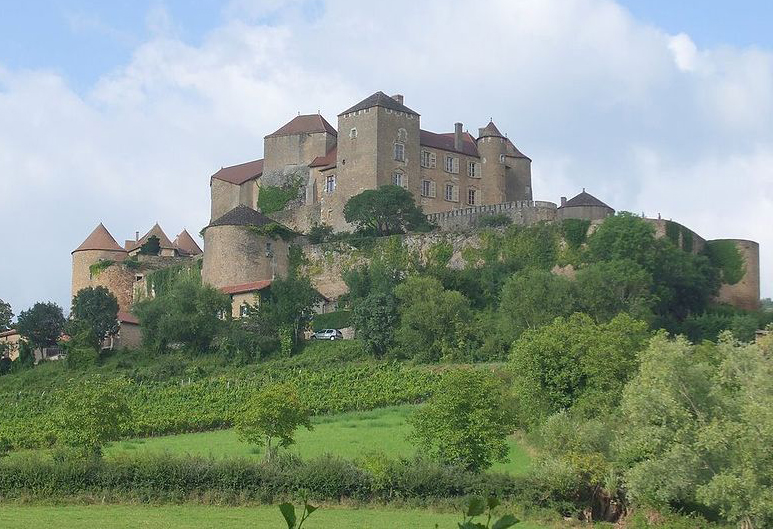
(379, 99)
(584, 199)
(100, 239)
(163, 240)
(242, 215)
(307, 123)
(490, 130)
(185, 243)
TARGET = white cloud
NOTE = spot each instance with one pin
(643, 119)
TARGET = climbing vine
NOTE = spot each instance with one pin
(575, 232)
(725, 256)
(99, 267)
(672, 232)
(274, 198)
(687, 240)
(160, 281)
(273, 230)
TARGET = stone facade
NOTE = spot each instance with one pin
(522, 213)
(746, 293)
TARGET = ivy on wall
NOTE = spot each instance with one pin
(274, 198)
(99, 267)
(575, 232)
(273, 230)
(160, 281)
(687, 240)
(725, 256)
(672, 232)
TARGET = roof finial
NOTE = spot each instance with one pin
(583, 190)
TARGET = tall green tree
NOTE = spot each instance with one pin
(6, 316)
(387, 210)
(606, 288)
(375, 321)
(575, 364)
(97, 308)
(435, 323)
(41, 325)
(290, 303)
(467, 421)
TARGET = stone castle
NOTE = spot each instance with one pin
(456, 177)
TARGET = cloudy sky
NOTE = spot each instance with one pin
(118, 112)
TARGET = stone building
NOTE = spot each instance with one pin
(378, 141)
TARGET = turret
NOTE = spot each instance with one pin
(492, 150)
(94, 263)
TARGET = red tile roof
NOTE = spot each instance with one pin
(163, 240)
(445, 142)
(100, 239)
(246, 287)
(328, 160)
(238, 174)
(185, 243)
(128, 317)
(10, 332)
(305, 124)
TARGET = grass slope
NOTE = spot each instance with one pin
(349, 435)
(199, 516)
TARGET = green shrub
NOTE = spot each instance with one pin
(274, 198)
(332, 320)
(575, 232)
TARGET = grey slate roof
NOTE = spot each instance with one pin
(379, 99)
(490, 130)
(584, 199)
(242, 215)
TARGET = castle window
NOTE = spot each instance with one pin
(269, 249)
(452, 164)
(244, 310)
(399, 152)
(452, 193)
(353, 133)
(428, 159)
(402, 135)
(502, 158)
(399, 179)
(428, 189)
(472, 197)
(330, 184)
(473, 170)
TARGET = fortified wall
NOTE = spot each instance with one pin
(521, 212)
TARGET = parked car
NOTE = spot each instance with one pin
(328, 334)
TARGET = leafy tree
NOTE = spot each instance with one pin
(41, 325)
(92, 413)
(575, 363)
(187, 314)
(699, 427)
(623, 236)
(290, 304)
(375, 320)
(272, 415)
(151, 247)
(98, 308)
(387, 210)
(607, 288)
(6, 316)
(320, 233)
(467, 421)
(435, 323)
(531, 299)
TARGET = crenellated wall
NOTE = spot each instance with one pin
(523, 212)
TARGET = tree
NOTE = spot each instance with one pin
(699, 427)
(575, 363)
(92, 413)
(188, 314)
(290, 303)
(272, 415)
(607, 288)
(387, 210)
(623, 236)
(41, 325)
(467, 421)
(375, 320)
(97, 307)
(151, 247)
(6, 316)
(435, 323)
(530, 299)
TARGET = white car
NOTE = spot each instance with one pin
(328, 334)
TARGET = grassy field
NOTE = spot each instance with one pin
(200, 517)
(349, 435)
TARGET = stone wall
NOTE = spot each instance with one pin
(746, 293)
(116, 278)
(294, 149)
(223, 197)
(660, 226)
(520, 212)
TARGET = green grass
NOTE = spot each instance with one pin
(200, 516)
(349, 435)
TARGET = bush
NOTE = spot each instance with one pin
(320, 233)
(332, 320)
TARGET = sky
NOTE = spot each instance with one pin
(118, 112)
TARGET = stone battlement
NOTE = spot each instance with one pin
(521, 212)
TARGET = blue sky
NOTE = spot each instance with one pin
(119, 111)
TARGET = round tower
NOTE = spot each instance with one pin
(236, 254)
(101, 247)
(745, 294)
(492, 148)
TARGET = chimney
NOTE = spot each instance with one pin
(398, 98)
(480, 131)
(458, 136)
(563, 201)
(136, 236)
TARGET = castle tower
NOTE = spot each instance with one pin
(378, 144)
(98, 247)
(236, 255)
(492, 150)
(745, 294)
